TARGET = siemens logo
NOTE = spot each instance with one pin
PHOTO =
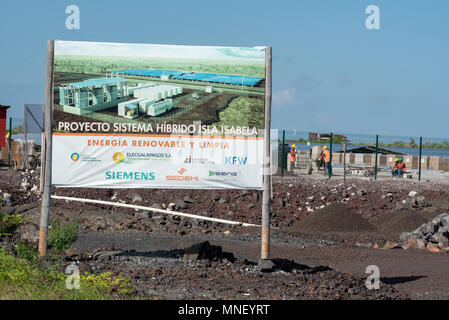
(122, 175)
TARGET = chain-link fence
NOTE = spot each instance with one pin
(375, 156)
(23, 139)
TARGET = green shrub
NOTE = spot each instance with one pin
(20, 279)
(61, 237)
(8, 223)
(25, 250)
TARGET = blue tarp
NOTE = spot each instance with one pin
(196, 76)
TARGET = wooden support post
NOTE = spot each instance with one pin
(264, 263)
(41, 182)
(45, 213)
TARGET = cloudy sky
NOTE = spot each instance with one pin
(158, 51)
(330, 73)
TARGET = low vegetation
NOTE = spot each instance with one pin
(8, 223)
(243, 111)
(95, 64)
(28, 278)
(60, 238)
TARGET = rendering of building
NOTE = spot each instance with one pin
(150, 99)
(92, 95)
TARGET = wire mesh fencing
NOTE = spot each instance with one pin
(374, 156)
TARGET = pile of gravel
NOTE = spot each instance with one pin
(394, 223)
(334, 218)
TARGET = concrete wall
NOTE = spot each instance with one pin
(412, 162)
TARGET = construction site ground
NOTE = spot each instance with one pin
(324, 235)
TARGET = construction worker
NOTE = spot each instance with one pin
(395, 169)
(326, 157)
(399, 168)
(292, 158)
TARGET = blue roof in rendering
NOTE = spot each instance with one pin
(96, 82)
(197, 76)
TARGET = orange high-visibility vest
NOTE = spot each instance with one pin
(292, 155)
(401, 166)
(326, 156)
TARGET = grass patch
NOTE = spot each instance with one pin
(243, 111)
(60, 238)
(25, 250)
(22, 279)
(98, 64)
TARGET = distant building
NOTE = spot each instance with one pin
(3, 125)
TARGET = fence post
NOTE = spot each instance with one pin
(9, 142)
(330, 158)
(344, 162)
(283, 153)
(420, 157)
(375, 163)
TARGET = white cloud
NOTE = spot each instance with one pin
(283, 97)
(157, 51)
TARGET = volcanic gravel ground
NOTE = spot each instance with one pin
(396, 222)
(323, 217)
(163, 273)
(333, 218)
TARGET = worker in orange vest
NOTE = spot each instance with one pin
(292, 158)
(399, 168)
(326, 157)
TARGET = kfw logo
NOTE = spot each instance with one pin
(236, 160)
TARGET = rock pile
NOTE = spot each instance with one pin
(433, 235)
(414, 200)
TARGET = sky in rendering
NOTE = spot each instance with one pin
(330, 73)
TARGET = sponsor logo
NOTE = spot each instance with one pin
(75, 156)
(236, 160)
(222, 174)
(118, 157)
(181, 176)
(129, 175)
(148, 156)
(83, 158)
(190, 159)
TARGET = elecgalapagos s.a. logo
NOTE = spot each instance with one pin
(75, 156)
(118, 157)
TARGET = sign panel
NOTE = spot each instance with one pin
(157, 116)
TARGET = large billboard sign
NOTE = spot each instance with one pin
(157, 116)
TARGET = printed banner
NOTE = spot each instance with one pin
(158, 116)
